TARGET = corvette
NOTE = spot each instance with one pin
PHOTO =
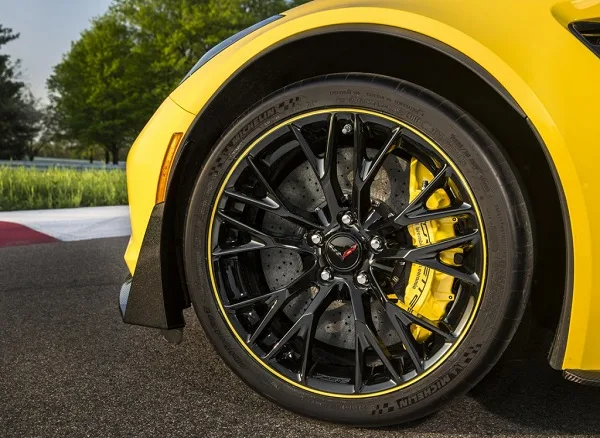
(361, 198)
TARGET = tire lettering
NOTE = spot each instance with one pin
(410, 400)
(257, 121)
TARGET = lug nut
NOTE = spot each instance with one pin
(362, 278)
(347, 129)
(376, 244)
(459, 258)
(326, 274)
(316, 238)
(348, 219)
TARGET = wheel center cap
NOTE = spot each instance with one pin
(343, 252)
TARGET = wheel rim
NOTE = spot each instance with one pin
(347, 244)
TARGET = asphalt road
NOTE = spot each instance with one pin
(69, 367)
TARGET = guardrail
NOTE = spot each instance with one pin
(45, 163)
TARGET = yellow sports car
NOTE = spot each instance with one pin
(361, 197)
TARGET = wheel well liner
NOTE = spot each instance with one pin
(431, 64)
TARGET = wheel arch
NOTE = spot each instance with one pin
(417, 59)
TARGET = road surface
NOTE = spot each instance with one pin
(69, 367)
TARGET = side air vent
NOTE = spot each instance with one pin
(589, 33)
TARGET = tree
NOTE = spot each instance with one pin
(33, 117)
(98, 88)
(19, 121)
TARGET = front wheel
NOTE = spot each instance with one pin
(358, 250)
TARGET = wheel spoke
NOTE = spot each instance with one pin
(269, 298)
(373, 220)
(361, 197)
(304, 326)
(401, 320)
(382, 267)
(260, 240)
(325, 168)
(276, 300)
(311, 157)
(429, 256)
(266, 203)
(417, 211)
(253, 245)
(273, 203)
(308, 337)
(407, 318)
(359, 360)
(365, 338)
(374, 166)
(329, 177)
(456, 272)
(430, 251)
(365, 170)
(418, 216)
(405, 336)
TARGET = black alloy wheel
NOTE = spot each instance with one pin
(322, 252)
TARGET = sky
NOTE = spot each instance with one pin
(47, 28)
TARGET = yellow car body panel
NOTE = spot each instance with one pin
(524, 45)
(144, 164)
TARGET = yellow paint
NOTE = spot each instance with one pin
(144, 165)
(226, 316)
(524, 44)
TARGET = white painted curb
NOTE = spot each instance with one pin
(73, 224)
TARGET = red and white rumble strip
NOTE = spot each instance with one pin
(71, 224)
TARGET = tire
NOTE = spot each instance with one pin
(503, 213)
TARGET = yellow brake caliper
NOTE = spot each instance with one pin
(428, 292)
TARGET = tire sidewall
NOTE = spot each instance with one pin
(489, 176)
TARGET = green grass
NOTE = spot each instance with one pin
(25, 189)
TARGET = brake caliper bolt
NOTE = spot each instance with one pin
(362, 278)
(326, 274)
(348, 219)
(376, 244)
(316, 238)
(347, 129)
